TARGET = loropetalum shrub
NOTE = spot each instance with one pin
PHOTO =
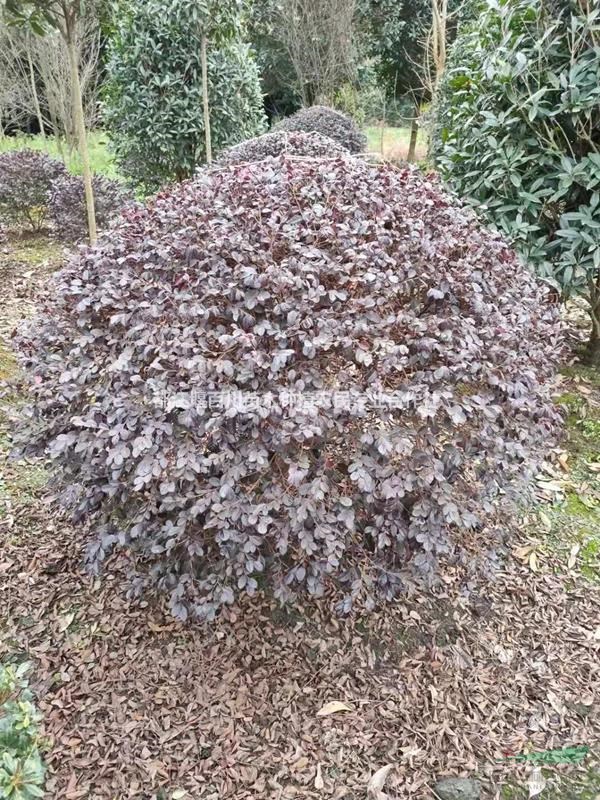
(327, 122)
(67, 204)
(517, 134)
(21, 767)
(302, 374)
(296, 143)
(25, 180)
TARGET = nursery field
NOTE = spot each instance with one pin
(487, 686)
(100, 157)
(299, 441)
(393, 142)
(395, 145)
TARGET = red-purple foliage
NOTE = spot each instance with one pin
(66, 202)
(25, 180)
(393, 358)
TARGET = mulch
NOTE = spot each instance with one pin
(137, 705)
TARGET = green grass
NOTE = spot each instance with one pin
(101, 159)
(577, 786)
(395, 141)
(570, 527)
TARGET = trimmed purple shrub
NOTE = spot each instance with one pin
(328, 122)
(306, 373)
(295, 143)
(25, 180)
(67, 204)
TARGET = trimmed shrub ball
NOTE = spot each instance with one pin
(67, 204)
(327, 122)
(303, 374)
(295, 143)
(25, 180)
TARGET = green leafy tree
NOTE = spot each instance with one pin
(62, 15)
(518, 135)
(277, 75)
(180, 80)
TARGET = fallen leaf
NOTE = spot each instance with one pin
(319, 782)
(377, 781)
(65, 621)
(533, 562)
(522, 553)
(573, 556)
(546, 521)
(536, 782)
(333, 707)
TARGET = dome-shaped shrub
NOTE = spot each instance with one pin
(25, 180)
(295, 143)
(66, 202)
(307, 372)
(327, 122)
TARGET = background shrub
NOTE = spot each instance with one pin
(518, 134)
(313, 287)
(154, 92)
(67, 204)
(21, 767)
(25, 180)
(327, 122)
(294, 143)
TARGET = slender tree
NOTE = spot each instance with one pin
(175, 93)
(62, 15)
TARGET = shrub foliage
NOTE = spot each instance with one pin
(154, 93)
(295, 143)
(328, 122)
(308, 372)
(67, 204)
(518, 135)
(25, 180)
(21, 768)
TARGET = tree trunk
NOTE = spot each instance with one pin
(205, 99)
(414, 132)
(592, 352)
(34, 94)
(82, 139)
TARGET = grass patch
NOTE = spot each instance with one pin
(584, 785)
(34, 249)
(8, 364)
(101, 159)
(395, 142)
(571, 524)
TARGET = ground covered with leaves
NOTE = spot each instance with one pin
(464, 681)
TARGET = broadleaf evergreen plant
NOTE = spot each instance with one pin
(154, 103)
(517, 134)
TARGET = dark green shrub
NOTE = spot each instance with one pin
(518, 135)
(154, 105)
(312, 373)
(25, 180)
(328, 122)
